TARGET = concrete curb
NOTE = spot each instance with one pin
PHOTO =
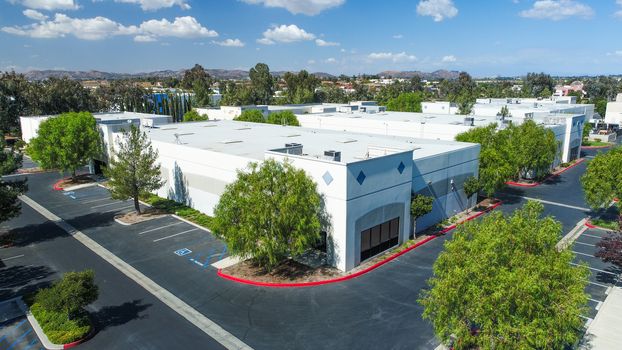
(590, 225)
(568, 239)
(359, 273)
(595, 147)
(535, 184)
(192, 223)
(45, 341)
(77, 187)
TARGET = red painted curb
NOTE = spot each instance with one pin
(56, 185)
(359, 273)
(535, 184)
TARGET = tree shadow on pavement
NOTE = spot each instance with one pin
(21, 280)
(31, 234)
(113, 316)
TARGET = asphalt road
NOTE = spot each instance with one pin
(377, 310)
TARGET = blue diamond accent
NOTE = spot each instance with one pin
(328, 178)
(361, 178)
(401, 167)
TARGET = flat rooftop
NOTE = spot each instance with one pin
(112, 116)
(431, 118)
(252, 140)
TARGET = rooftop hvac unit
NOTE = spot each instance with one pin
(469, 121)
(293, 148)
(148, 123)
(335, 156)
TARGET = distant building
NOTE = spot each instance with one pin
(613, 117)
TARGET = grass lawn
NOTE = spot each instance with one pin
(179, 209)
(594, 143)
(57, 326)
(610, 224)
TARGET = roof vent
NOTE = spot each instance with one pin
(293, 148)
(469, 121)
(334, 156)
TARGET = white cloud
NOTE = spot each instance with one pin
(557, 10)
(618, 13)
(438, 9)
(36, 15)
(47, 4)
(98, 28)
(398, 36)
(449, 59)
(615, 53)
(330, 60)
(311, 62)
(320, 42)
(230, 43)
(285, 34)
(151, 5)
(394, 57)
(306, 7)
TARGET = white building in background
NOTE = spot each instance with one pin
(440, 107)
(568, 128)
(613, 116)
(367, 180)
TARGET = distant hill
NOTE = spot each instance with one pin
(98, 75)
(436, 75)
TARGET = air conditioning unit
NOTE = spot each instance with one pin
(335, 156)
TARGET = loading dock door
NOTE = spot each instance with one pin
(379, 238)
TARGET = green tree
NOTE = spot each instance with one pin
(9, 190)
(501, 283)
(471, 187)
(300, 87)
(251, 115)
(420, 205)
(262, 83)
(237, 95)
(132, 171)
(505, 112)
(14, 100)
(283, 118)
(535, 84)
(61, 95)
(66, 142)
(198, 80)
(600, 106)
(194, 116)
(270, 212)
(533, 148)
(587, 129)
(465, 103)
(602, 181)
(71, 294)
(406, 102)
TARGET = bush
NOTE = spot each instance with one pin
(283, 118)
(251, 115)
(598, 140)
(181, 210)
(58, 327)
(193, 116)
(69, 295)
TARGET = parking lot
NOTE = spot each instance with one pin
(164, 235)
(16, 333)
(602, 275)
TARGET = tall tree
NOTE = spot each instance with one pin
(14, 100)
(534, 148)
(602, 181)
(300, 87)
(198, 80)
(535, 84)
(501, 283)
(62, 95)
(262, 83)
(270, 212)
(406, 102)
(132, 171)
(9, 190)
(66, 142)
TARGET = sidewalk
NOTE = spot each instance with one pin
(605, 332)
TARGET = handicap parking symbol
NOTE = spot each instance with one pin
(183, 251)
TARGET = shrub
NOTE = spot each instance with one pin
(193, 116)
(58, 327)
(69, 295)
(598, 140)
(251, 115)
(283, 118)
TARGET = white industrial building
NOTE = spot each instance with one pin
(568, 128)
(366, 180)
(614, 112)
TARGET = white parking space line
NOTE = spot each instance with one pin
(13, 257)
(589, 235)
(590, 255)
(587, 244)
(598, 270)
(159, 228)
(105, 205)
(598, 284)
(553, 203)
(175, 235)
(95, 200)
(594, 300)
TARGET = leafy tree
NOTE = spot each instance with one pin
(610, 249)
(602, 88)
(61, 95)
(251, 115)
(66, 142)
(121, 95)
(262, 83)
(9, 190)
(600, 106)
(465, 104)
(501, 283)
(587, 129)
(536, 83)
(237, 95)
(602, 181)
(270, 212)
(420, 205)
(132, 171)
(283, 118)
(471, 187)
(333, 94)
(406, 102)
(14, 100)
(198, 80)
(533, 147)
(194, 116)
(71, 294)
(505, 112)
(300, 87)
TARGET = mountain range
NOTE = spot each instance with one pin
(217, 73)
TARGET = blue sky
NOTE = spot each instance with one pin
(485, 38)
